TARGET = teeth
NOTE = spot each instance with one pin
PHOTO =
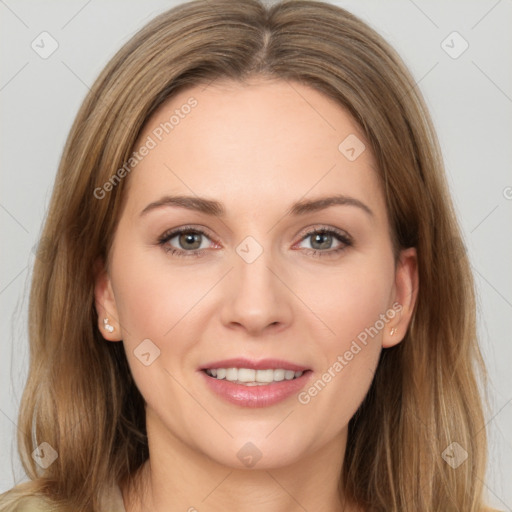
(251, 377)
(265, 375)
(231, 374)
(279, 375)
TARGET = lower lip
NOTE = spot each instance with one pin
(256, 396)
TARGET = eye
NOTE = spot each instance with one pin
(184, 241)
(322, 240)
(190, 241)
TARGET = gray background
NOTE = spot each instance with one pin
(470, 98)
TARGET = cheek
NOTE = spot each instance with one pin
(348, 299)
(163, 304)
(151, 299)
(354, 303)
(154, 303)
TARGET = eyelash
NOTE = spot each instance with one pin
(339, 235)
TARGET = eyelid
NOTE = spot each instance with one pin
(171, 233)
(312, 229)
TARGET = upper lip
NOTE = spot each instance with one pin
(262, 364)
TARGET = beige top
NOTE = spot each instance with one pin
(111, 502)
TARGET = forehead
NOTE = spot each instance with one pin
(272, 141)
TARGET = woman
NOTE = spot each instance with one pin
(314, 346)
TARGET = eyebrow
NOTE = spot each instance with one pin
(215, 208)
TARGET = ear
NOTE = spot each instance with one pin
(404, 297)
(105, 303)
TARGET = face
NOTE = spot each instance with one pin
(257, 280)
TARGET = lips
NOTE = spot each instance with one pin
(246, 394)
(262, 364)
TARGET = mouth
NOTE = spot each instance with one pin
(252, 377)
(255, 383)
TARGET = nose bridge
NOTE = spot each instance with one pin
(256, 298)
(252, 272)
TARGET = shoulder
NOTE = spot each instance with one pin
(28, 504)
(35, 504)
(23, 500)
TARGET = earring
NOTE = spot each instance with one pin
(107, 326)
(393, 331)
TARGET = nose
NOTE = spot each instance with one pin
(256, 298)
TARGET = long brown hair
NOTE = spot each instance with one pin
(80, 397)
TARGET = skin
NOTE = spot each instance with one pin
(257, 148)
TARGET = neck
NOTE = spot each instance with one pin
(177, 477)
